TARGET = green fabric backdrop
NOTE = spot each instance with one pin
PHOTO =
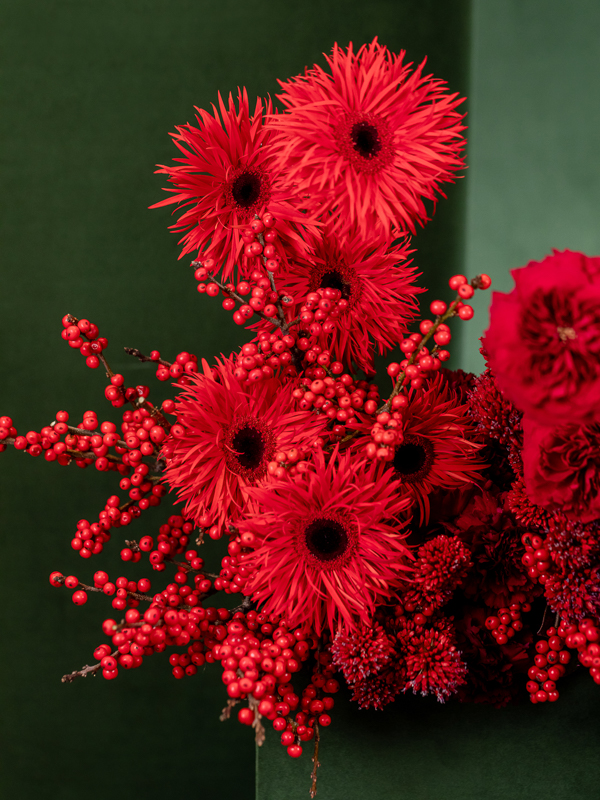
(89, 90)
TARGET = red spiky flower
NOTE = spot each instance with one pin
(370, 138)
(433, 661)
(362, 652)
(225, 437)
(330, 545)
(375, 279)
(225, 178)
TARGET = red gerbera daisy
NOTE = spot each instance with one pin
(225, 437)
(374, 278)
(371, 138)
(226, 177)
(330, 546)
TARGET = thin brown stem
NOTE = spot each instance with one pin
(133, 351)
(85, 671)
(316, 762)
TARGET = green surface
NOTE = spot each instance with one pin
(422, 750)
(89, 90)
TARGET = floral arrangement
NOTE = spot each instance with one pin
(434, 532)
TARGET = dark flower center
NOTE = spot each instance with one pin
(413, 458)
(246, 188)
(326, 539)
(334, 280)
(365, 139)
(249, 446)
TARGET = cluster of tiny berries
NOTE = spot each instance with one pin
(507, 622)
(338, 397)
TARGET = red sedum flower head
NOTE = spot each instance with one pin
(330, 545)
(225, 177)
(376, 281)
(226, 435)
(562, 468)
(369, 138)
(363, 652)
(543, 342)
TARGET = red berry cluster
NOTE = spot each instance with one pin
(387, 432)
(315, 703)
(586, 638)
(507, 622)
(260, 361)
(338, 398)
(549, 665)
(185, 364)
(75, 330)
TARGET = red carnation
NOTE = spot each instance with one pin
(225, 178)
(229, 433)
(370, 138)
(329, 545)
(543, 341)
(562, 468)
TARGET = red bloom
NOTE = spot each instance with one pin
(364, 652)
(328, 547)
(374, 278)
(229, 434)
(369, 139)
(433, 662)
(435, 453)
(226, 177)
(377, 691)
(562, 468)
(442, 564)
(543, 341)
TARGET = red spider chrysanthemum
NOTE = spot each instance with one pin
(369, 139)
(226, 435)
(437, 451)
(225, 178)
(374, 278)
(330, 545)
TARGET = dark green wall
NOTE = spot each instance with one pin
(89, 90)
(534, 144)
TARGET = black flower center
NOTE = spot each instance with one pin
(413, 458)
(249, 447)
(326, 539)
(245, 189)
(365, 139)
(249, 444)
(333, 280)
